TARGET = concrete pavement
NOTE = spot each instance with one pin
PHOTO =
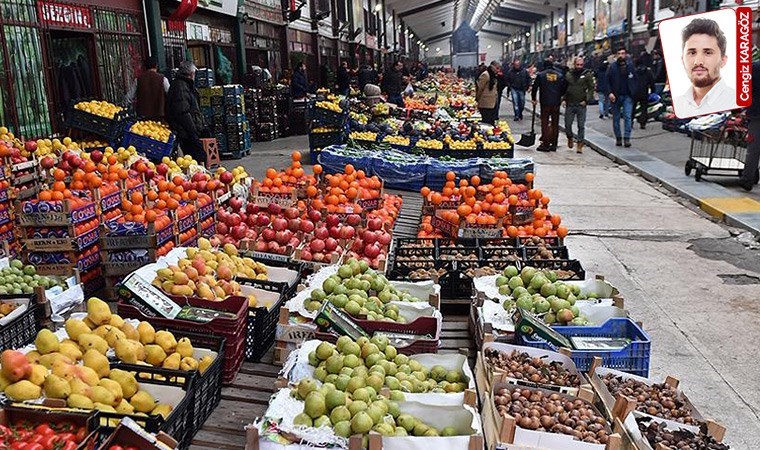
(681, 273)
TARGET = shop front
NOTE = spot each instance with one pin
(263, 32)
(55, 53)
(302, 49)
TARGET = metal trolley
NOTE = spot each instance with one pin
(720, 152)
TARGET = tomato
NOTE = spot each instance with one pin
(18, 445)
(34, 446)
(69, 445)
(49, 442)
(67, 437)
(44, 429)
(116, 447)
(81, 434)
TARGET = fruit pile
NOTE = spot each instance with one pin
(209, 273)
(521, 366)
(538, 291)
(99, 108)
(363, 136)
(433, 144)
(333, 106)
(397, 140)
(287, 180)
(360, 291)
(151, 129)
(657, 433)
(53, 366)
(25, 435)
(353, 373)
(659, 399)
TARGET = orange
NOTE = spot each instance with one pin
(295, 156)
(59, 186)
(475, 180)
(46, 196)
(425, 191)
(57, 196)
(556, 219)
(271, 173)
(529, 177)
(317, 168)
(150, 216)
(178, 180)
(451, 176)
(137, 197)
(349, 169)
(123, 174)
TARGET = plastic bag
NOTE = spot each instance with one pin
(409, 91)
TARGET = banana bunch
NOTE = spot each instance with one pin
(433, 144)
(363, 136)
(99, 108)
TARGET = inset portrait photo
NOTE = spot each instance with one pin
(700, 59)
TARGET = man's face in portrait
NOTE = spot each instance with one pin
(703, 60)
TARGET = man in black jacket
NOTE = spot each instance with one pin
(344, 79)
(644, 86)
(518, 81)
(621, 78)
(393, 83)
(552, 84)
(183, 114)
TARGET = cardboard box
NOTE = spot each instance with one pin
(129, 433)
(53, 411)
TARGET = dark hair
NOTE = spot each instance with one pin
(704, 26)
(621, 47)
(548, 63)
(151, 62)
(491, 76)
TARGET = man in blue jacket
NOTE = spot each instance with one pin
(621, 78)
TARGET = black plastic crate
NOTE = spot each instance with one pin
(262, 321)
(506, 253)
(498, 242)
(402, 268)
(322, 140)
(24, 328)
(322, 116)
(91, 123)
(532, 241)
(500, 264)
(409, 247)
(457, 253)
(557, 252)
(572, 268)
(455, 285)
(177, 425)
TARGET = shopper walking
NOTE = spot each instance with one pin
(580, 91)
(299, 84)
(622, 81)
(486, 92)
(750, 175)
(148, 92)
(183, 114)
(644, 87)
(518, 81)
(603, 88)
(344, 79)
(393, 84)
(552, 85)
(367, 75)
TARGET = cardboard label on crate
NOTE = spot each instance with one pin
(117, 242)
(522, 195)
(8, 236)
(4, 195)
(473, 231)
(206, 211)
(140, 292)
(5, 216)
(24, 179)
(521, 214)
(529, 325)
(203, 315)
(139, 188)
(224, 197)
(330, 318)
(294, 333)
(110, 201)
(23, 165)
(210, 231)
(370, 204)
(264, 199)
(164, 235)
(89, 262)
(445, 227)
(186, 223)
(270, 256)
(28, 192)
(42, 218)
(452, 203)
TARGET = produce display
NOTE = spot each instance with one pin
(99, 108)
(658, 399)
(152, 129)
(29, 436)
(534, 409)
(19, 278)
(520, 365)
(658, 433)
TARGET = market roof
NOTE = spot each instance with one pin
(431, 20)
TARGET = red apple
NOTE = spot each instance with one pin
(162, 169)
(30, 146)
(47, 162)
(335, 232)
(273, 247)
(222, 228)
(291, 213)
(384, 238)
(235, 219)
(371, 251)
(321, 233)
(306, 255)
(347, 232)
(226, 177)
(318, 257)
(236, 204)
(96, 156)
(251, 208)
(375, 224)
(239, 232)
(198, 176)
(261, 246)
(262, 220)
(294, 224)
(315, 215)
(369, 237)
(274, 208)
(332, 220)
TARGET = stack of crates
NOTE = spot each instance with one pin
(224, 110)
(204, 78)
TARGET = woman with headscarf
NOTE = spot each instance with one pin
(486, 92)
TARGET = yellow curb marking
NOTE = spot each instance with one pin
(719, 206)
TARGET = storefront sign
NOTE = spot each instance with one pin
(197, 32)
(588, 24)
(65, 15)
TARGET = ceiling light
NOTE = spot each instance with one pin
(378, 8)
(547, 25)
(438, 49)
(527, 34)
(489, 46)
(579, 11)
(561, 19)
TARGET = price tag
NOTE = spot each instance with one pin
(521, 214)
(445, 227)
(264, 199)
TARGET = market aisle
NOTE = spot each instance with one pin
(641, 239)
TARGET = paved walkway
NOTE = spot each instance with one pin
(660, 156)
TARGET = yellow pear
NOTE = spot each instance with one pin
(126, 380)
(70, 350)
(167, 341)
(46, 342)
(172, 361)
(185, 347)
(80, 387)
(143, 402)
(188, 363)
(114, 334)
(49, 359)
(38, 374)
(146, 332)
(90, 323)
(154, 354)
(4, 382)
(33, 357)
(97, 362)
(87, 375)
(23, 390)
(114, 387)
(103, 395)
(98, 311)
(90, 340)
(116, 321)
(204, 363)
(125, 351)
(75, 328)
(103, 407)
(64, 370)
(80, 401)
(162, 410)
(130, 332)
(56, 387)
(102, 330)
(124, 407)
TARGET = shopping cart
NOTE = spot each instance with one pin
(719, 152)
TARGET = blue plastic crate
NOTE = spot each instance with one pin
(151, 148)
(204, 78)
(322, 140)
(634, 358)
